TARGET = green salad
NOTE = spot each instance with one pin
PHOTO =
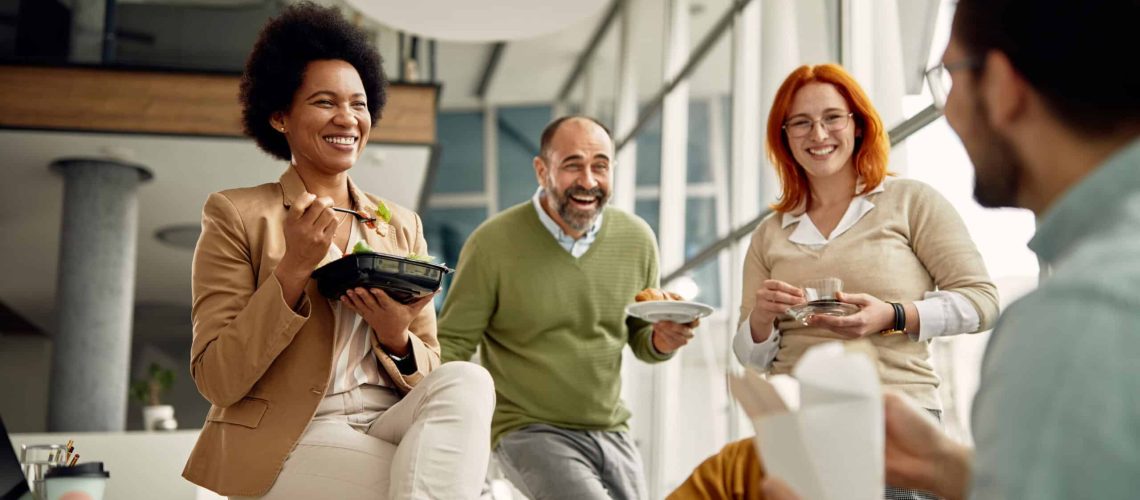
(428, 259)
(362, 247)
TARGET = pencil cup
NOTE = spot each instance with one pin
(85, 481)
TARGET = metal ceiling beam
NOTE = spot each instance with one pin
(489, 69)
(695, 58)
(913, 124)
(591, 47)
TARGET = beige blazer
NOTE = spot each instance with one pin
(263, 366)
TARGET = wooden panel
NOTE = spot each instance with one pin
(169, 103)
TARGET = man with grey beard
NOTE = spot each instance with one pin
(541, 289)
(1052, 124)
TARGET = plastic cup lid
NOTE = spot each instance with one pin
(86, 469)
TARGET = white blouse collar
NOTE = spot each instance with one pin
(807, 234)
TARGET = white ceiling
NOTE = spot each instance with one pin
(533, 71)
(465, 20)
(186, 170)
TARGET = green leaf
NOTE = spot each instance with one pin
(139, 391)
(165, 379)
(362, 247)
(421, 258)
(383, 212)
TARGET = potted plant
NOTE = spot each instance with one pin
(148, 392)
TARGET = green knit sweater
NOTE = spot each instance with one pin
(551, 327)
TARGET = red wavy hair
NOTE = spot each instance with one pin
(871, 150)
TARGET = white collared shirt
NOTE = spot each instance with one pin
(576, 247)
(942, 313)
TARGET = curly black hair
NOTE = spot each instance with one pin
(302, 33)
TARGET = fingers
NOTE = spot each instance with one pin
(382, 298)
(297, 209)
(782, 286)
(353, 302)
(356, 300)
(675, 329)
(777, 296)
(320, 212)
(859, 299)
(419, 304)
(670, 336)
(775, 303)
(369, 299)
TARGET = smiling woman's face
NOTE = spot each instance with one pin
(327, 124)
(821, 153)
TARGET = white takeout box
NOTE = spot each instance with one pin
(830, 447)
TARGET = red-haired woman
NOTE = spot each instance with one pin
(897, 243)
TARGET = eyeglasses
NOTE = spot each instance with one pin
(940, 80)
(800, 127)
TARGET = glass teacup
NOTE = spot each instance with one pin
(823, 289)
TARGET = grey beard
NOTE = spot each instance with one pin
(576, 219)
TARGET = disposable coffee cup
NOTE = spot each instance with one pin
(84, 481)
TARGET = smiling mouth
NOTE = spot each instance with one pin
(341, 140)
(822, 151)
(584, 200)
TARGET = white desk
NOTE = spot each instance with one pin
(143, 465)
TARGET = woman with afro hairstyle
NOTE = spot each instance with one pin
(317, 398)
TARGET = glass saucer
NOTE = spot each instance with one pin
(826, 307)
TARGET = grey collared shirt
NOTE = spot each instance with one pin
(576, 247)
(1057, 414)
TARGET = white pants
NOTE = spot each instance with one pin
(368, 444)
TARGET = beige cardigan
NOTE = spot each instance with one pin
(911, 242)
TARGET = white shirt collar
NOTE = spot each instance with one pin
(807, 234)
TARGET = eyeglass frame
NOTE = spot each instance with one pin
(850, 117)
(933, 77)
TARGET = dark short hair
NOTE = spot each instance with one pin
(302, 33)
(552, 128)
(1075, 53)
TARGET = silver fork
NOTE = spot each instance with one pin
(368, 221)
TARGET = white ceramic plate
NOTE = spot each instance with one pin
(668, 310)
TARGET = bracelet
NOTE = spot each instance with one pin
(900, 320)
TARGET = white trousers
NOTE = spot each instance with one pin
(368, 444)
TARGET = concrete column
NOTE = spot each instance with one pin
(95, 294)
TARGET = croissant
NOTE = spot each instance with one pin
(656, 294)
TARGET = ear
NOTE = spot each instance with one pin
(277, 121)
(540, 170)
(1005, 92)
